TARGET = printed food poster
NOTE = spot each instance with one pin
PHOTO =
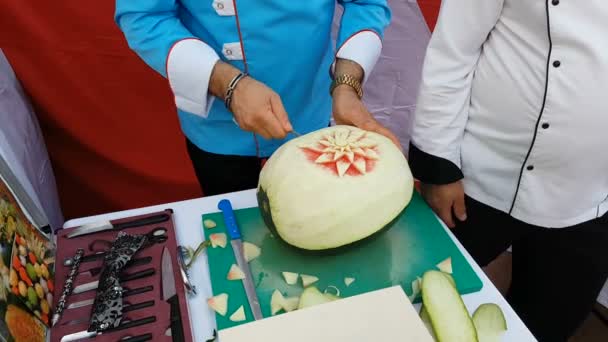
(26, 274)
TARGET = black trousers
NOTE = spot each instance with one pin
(219, 174)
(557, 273)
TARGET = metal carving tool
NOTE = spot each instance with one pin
(126, 292)
(158, 235)
(95, 227)
(85, 334)
(184, 270)
(127, 277)
(68, 287)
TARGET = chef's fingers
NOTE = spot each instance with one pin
(279, 111)
(445, 214)
(271, 124)
(263, 132)
(387, 133)
(373, 125)
(460, 209)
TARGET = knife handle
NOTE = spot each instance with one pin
(137, 291)
(138, 306)
(135, 262)
(233, 229)
(142, 222)
(139, 338)
(138, 275)
(177, 330)
(135, 323)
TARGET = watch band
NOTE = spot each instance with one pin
(349, 81)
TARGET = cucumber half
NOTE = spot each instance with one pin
(424, 316)
(448, 315)
(490, 322)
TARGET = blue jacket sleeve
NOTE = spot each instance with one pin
(155, 32)
(361, 31)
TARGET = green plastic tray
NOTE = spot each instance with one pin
(415, 243)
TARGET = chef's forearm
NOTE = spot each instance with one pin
(348, 67)
(221, 76)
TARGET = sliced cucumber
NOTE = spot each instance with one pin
(424, 316)
(447, 312)
(490, 322)
(312, 296)
(450, 278)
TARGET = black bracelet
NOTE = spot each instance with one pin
(231, 87)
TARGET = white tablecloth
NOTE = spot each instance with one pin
(189, 232)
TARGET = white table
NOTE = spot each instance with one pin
(189, 232)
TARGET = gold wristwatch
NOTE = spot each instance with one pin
(349, 81)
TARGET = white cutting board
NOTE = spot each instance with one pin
(379, 316)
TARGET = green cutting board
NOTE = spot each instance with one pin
(414, 244)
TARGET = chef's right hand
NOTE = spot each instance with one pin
(446, 200)
(257, 108)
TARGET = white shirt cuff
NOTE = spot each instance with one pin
(364, 48)
(189, 65)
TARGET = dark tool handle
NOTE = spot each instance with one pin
(142, 222)
(139, 338)
(138, 275)
(135, 262)
(135, 323)
(86, 258)
(177, 331)
(138, 306)
(137, 291)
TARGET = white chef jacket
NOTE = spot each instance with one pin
(514, 98)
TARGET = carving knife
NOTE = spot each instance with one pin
(126, 292)
(237, 246)
(131, 276)
(170, 295)
(81, 335)
(95, 227)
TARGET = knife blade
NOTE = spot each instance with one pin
(81, 335)
(237, 246)
(170, 296)
(95, 227)
(131, 276)
(126, 292)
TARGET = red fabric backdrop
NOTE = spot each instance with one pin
(109, 121)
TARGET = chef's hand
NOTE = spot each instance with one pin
(446, 200)
(348, 109)
(255, 107)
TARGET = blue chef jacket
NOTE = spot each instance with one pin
(285, 44)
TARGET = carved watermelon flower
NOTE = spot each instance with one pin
(345, 151)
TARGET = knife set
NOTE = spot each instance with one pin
(120, 281)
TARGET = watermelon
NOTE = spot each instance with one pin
(333, 187)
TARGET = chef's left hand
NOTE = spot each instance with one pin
(348, 109)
